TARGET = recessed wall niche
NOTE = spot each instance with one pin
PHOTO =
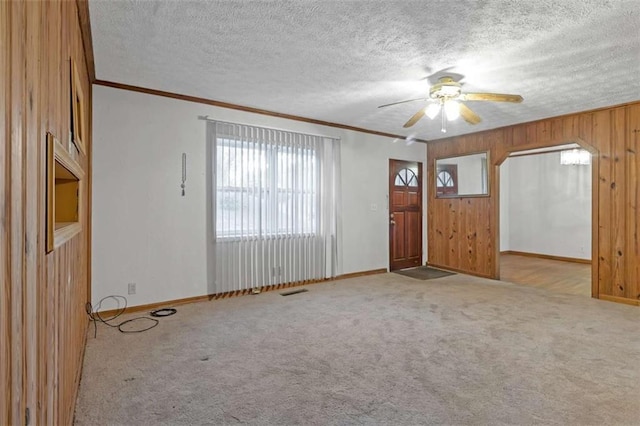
(64, 186)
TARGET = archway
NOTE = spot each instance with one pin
(539, 149)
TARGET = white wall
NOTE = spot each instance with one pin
(549, 206)
(145, 232)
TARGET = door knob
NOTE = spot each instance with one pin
(393, 222)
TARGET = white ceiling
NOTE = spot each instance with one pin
(338, 60)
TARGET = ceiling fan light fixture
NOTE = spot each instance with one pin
(446, 98)
(432, 110)
(452, 110)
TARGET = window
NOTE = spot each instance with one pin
(406, 177)
(265, 190)
(275, 206)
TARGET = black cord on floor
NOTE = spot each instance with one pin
(164, 312)
(94, 315)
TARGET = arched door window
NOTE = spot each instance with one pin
(447, 179)
(406, 177)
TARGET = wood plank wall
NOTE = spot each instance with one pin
(42, 319)
(463, 233)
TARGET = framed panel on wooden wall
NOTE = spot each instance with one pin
(462, 176)
(78, 119)
(50, 173)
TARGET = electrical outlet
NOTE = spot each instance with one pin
(132, 288)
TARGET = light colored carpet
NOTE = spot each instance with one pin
(383, 349)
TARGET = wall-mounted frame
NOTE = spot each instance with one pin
(462, 176)
(78, 119)
(63, 195)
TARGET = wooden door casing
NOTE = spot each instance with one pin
(405, 214)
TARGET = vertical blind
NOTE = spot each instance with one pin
(274, 205)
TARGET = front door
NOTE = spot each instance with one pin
(405, 214)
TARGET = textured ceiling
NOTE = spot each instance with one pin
(338, 60)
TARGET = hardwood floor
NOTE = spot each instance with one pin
(554, 275)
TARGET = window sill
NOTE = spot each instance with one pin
(64, 231)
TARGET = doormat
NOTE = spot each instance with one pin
(423, 273)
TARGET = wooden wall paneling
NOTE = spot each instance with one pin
(16, 217)
(587, 142)
(87, 43)
(53, 123)
(571, 127)
(451, 231)
(543, 132)
(618, 199)
(42, 318)
(556, 129)
(601, 137)
(54, 359)
(585, 132)
(5, 166)
(632, 153)
(62, 332)
(531, 133)
(455, 241)
(489, 240)
(464, 209)
(488, 235)
(47, 158)
(468, 249)
(50, 120)
(611, 135)
(518, 136)
(34, 184)
(428, 190)
(595, 224)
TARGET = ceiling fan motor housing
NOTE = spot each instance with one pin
(445, 88)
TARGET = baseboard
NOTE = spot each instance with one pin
(362, 274)
(216, 296)
(156, 305)
(617, 299)
(548, 256)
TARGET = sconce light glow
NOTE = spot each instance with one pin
(575, 157)
(452, 109)
(432, 110)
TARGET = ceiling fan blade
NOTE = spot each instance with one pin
(413, 120)
(402, 102)
(468, 115)
(493, 97)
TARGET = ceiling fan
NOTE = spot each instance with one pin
(447, 95)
